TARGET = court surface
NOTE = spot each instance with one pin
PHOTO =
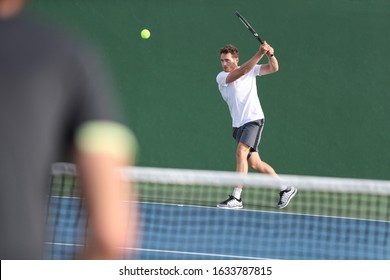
(172, 231)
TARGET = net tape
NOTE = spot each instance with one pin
(223, 178)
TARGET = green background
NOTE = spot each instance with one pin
(327, 109)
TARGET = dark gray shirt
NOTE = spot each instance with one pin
(49, 85)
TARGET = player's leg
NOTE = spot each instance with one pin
(242, 153)
(244, 135)
(247, 137)
(286, 192)
(234, 200)
(260, 166)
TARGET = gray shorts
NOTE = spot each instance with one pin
(249, 134)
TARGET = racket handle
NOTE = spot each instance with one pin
(258, 38)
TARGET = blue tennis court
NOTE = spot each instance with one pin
(195, 232)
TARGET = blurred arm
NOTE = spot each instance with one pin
(10, 8)
(102, 148)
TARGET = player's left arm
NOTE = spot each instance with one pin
(272, 66)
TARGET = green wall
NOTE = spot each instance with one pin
(327, 109)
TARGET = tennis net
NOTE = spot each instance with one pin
(329, 218)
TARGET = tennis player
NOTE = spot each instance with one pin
(56, 104)
(238, 88)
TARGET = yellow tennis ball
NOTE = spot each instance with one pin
(145, 34)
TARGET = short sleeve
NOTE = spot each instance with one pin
(256, 70)
(90, 91)
(221, 79)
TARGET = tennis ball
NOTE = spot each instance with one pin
(145, 34)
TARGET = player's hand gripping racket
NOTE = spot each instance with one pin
(250, 28)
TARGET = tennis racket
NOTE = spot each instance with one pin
(250, 28)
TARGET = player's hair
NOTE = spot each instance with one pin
(230, 49)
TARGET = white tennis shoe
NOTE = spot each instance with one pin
(231, 203)
(286, 196)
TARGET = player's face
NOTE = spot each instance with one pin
(228, 62)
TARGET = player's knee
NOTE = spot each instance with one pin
(256, 165)
(242, 154)
(265, 168)
(253, 165)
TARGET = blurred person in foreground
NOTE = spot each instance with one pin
(55, 101)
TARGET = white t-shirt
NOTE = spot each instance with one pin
(241, 97)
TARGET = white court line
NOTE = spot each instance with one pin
(167, 251)
(195, 253)
(245, 210)
(262, 211)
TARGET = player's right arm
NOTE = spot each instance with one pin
(248, 65)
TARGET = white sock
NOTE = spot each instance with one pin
(285, 188)
(237, 192)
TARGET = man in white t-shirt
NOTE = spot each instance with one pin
(237, 85)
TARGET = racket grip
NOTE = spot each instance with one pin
(258, 38)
